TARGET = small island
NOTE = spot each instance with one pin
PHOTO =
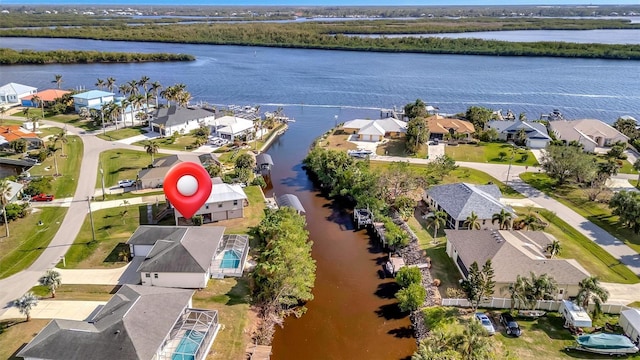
(26, 57)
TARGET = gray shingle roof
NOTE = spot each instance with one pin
(190, 253)
(534, 130)
(460, 199)
(132, 325)
(513, 253)
(177, 115)
(149, 234)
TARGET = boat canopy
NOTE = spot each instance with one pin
(605, 341)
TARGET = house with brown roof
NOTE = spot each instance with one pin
(137, 323)
(49, 97)
(9, 133)
(591, 133)
(513, 253)
(439, 127)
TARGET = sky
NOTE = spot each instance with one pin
(321, 2)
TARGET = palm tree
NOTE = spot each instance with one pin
(5, 193)
(590, 290)
(144, 82)
(518, 291)
(436, 220)
(133, 84)
(52, 279)
(473, 343)
(25, 303)
(3, 110)
(472, 222)
(636, 167)
(100, 84)
(62, 137)
(124, 89)
(554, 248)
(35, 99)
(111, 83)
(136, 104)
(542, 288)
(34, 121)
(52, 149)
(503, 218)
(155, 88)
(57, 80)
(151, 148)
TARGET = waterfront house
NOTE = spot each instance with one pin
(10, 133)
(375, 130)
(49, 97)
(536, 135)
(92, 99)
(153, 177)
(138, 322)
(459, 200)
(226, 201)
(439, 127)
(11, 93)
(182, 120)
(513, 253)
(232, 127)
(591, 133)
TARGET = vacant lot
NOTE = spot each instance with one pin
(496, 153)
(119, 164)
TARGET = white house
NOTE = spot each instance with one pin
(12, 92)
(138, 322)
(231, 127)
(166, 121)
(535, 133)
(92, 99)
(375, 130)
(226, 201)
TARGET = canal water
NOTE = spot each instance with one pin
(354, 313)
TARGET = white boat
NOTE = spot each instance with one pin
(360, 153)
(606, 344)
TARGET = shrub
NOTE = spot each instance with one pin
(408, 275)
(15, 211)
(411, 298)
(38, 186)
(259, 181)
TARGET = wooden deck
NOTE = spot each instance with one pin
(258, 352)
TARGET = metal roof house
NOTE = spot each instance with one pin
(459, 200)
(226, 201)
(92, 99)
(375, 130)
(138, 322)
(231, 127)
(12, 92)
(292, 201)
(513, 253)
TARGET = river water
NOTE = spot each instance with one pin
(353, 314)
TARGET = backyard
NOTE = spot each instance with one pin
(252, 214)
(490, 153)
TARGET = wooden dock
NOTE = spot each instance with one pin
(362, 217)
(258, 352)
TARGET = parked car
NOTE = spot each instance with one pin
(486, 323)
(126, 183)
(42, 197)
(510, 324)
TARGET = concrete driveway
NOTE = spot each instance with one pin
(58, 309)
(436, 150)
(118, 276)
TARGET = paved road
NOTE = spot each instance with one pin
(609, 243)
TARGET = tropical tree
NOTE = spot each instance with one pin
(57, 80)
(626, 204)
(542, 287)
(518, 292)
(245, 161)
(416, 109)
(417, 134)
(38, 102)
(636, 167)
(590, 290)
(472, 222)
(100, 84)
(5, 193)
(62, 137)
(411, 297)
(26, 303)
(503, 218)
(155, 89)
(19, 146)
(213, 169)
(479, 284)
(408, 275)
(3, 111)
(436, 220)
(110, 83)
(52, 149)
(554, 248)
(51, 279)
(34, 121)
(151, 147)
(473, 343)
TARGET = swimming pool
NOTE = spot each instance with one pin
(230, 260)
(188, 346)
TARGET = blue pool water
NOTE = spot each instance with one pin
(230, 260)
(188, 345)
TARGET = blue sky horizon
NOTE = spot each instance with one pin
(318, 2)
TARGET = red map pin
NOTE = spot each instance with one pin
(187, 185)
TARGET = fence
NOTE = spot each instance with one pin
(546, 305)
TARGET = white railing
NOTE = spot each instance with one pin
(546, 305)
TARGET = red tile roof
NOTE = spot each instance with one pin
(15, 132)
(48, 95)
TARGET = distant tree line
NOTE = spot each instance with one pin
(331, 36)
(13, 57)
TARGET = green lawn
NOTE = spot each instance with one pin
(77, 292)
(113, 227)
(15, 333)
(592, 257)
(183, 142)
(627, 167)
(68, 166)
(123, 133)
(489, 153)
(231, 298)
(121, 164)
(253, 213)
(572, 197)
(71, 119)
(27, 239)
(473, 176)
